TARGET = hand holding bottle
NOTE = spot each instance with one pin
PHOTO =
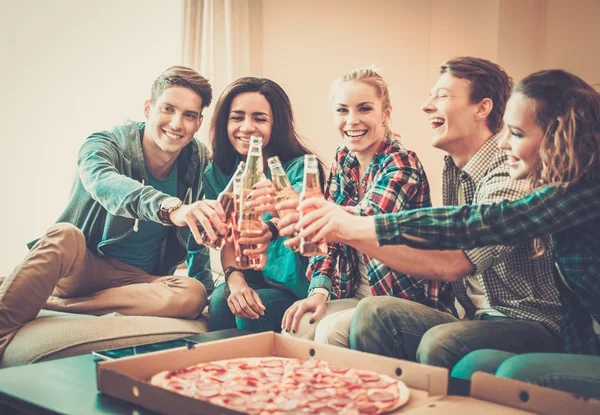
(287, 224)
(255, 244)
(261, 198)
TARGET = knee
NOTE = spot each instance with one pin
(484, 360)
(335, 334)
(67, 235)
(190, 302)
(519, 367)
(437, 347)
(366, 317)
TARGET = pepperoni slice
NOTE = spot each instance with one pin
(327, 410)
(380, 384)
(207, 390)
(213, 367)
(381, 396)
(339, 402)
(367, 409)
(322, 393)
(368, 378)
(338, 369)
(321, 385)
(352, 382)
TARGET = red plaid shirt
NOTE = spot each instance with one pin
(394, 181)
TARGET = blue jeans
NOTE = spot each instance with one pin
(578, 374)
(275, 300)
(408, 330)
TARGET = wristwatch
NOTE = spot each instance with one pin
(167, 206)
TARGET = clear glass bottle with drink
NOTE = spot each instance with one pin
(241, 262)
(225, 198)
(249, 221)
(311, 188)
(283, 188)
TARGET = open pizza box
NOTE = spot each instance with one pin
(128, 378)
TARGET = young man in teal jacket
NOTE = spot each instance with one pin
(137, 195)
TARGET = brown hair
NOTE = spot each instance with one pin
(487, 80)
(285, 141)
(567, 109)
(185, 77)
(370, 77)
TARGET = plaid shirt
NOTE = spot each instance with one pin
(513, 282)
(572, 217)
(393, 181)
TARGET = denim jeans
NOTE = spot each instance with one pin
(578, 374)
(408, 330)
(275, 300)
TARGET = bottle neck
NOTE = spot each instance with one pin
(230, 186)
(279, 177)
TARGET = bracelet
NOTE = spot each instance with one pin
(273, 229)
(229, 270)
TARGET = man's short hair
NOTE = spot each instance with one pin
(185, 77)
(487, 80)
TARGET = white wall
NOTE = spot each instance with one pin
(69, 68)
(308, 43)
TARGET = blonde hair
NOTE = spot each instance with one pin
(371, 77)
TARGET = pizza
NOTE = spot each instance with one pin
(276, 385)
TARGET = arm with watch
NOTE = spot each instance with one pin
(206, 213)
(123, 196)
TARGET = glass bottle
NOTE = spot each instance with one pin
(311, 188)
(249, 221)
(225, 198)
(241, 262)
(283, 188)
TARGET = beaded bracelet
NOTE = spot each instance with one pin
(273, 229)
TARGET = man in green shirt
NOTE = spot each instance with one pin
(136, 198)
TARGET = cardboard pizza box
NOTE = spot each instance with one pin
(128, 378)
(528, 397)
(493, 395)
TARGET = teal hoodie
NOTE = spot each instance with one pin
(108, 196)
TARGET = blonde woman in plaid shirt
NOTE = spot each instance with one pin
(372, 173)
(509, 296)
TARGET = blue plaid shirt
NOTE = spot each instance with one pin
(571, 216)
